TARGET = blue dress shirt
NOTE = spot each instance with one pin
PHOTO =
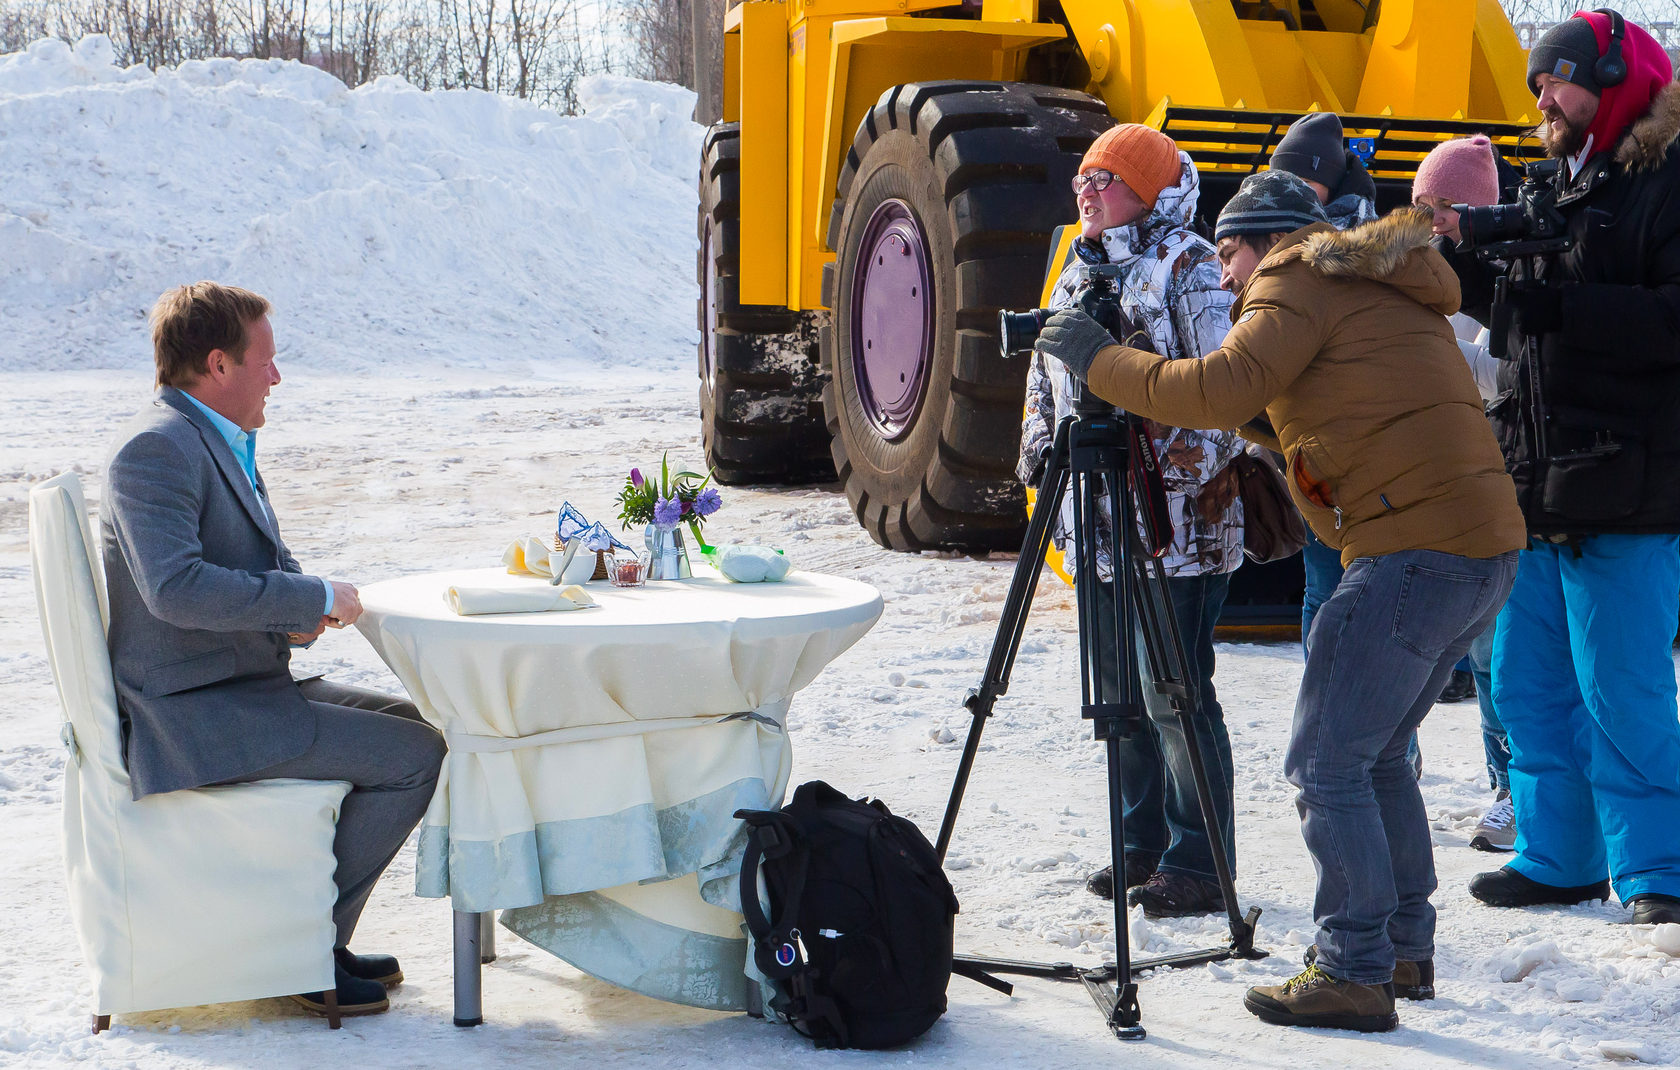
(243, 443)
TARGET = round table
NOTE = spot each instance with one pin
(597, 757)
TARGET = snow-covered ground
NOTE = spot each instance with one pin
(483, 309)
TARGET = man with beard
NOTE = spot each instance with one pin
(1588, 417)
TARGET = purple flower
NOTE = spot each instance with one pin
(708, 502)
(636, 478)
(667, 511)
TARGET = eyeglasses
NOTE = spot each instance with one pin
(1097, 180)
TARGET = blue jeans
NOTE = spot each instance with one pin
(1323, 574)
(1583, 675)
(1323, 568)
(1163, 815)
(1383, 646)
(1494, 747)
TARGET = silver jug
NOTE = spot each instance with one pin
(670, 556)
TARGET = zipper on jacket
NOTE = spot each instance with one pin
(1338, 510)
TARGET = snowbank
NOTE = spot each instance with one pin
(386, 224)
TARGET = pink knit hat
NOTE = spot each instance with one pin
(1461, 170)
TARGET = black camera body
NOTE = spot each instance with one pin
(1097, 296)
(1531, 226)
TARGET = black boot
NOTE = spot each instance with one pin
(1101, 883)
(1505, 887)
(380, 969)
(1653, 908)
(1177, 895)
(1460, 686)
(355, 996)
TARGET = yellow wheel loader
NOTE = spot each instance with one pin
(886, 175)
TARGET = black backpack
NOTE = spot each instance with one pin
(859, 937)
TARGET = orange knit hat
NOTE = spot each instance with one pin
(1145, 159)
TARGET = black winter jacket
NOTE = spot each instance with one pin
(1609, 398)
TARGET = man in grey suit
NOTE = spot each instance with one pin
(207, 602)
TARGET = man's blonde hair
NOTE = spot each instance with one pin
(190, 321)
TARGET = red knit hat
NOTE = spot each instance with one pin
(1648, 71)
(1460, 170)
(1142, 157)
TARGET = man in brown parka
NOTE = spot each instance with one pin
(1341, 345)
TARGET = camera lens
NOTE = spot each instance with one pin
(1017, 331)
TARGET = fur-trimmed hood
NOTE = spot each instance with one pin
(1393, 250)
(1646, 144)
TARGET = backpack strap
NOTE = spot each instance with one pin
(773, 834)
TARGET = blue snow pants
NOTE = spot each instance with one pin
(1583, 678)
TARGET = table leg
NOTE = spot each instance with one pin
(469, 982)
(487, 937)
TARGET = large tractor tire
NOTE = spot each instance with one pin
(760, 371)
(945, 208)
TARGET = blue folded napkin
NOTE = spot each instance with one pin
(574, 525)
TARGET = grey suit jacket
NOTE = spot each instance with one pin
(203, 592)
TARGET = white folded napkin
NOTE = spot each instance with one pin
(473, 601)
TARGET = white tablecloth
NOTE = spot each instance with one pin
(596, 757)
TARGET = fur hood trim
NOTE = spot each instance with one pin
(1645, 146)
(1377, 250)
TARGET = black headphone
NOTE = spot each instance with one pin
(1611, 68)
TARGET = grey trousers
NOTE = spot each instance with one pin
(390, 757)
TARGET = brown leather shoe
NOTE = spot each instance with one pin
(1412, 980)
(1314, 998)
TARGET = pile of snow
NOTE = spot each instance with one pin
(386, 224)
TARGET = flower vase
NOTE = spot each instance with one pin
(670, 556)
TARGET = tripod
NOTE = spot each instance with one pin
(1090, 453)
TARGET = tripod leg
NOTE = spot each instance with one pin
(1168, 669)
(1011, 624)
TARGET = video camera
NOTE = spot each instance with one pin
(1531, 226)
(1096, 296)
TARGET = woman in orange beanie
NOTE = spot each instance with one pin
(1137, 195)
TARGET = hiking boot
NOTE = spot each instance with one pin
(1314, 998)
(1412, 980)
(356, 996)
(1652, 908)
(1177, 895)
(380, 969)
(1505, 887)
(1497, 830)
(1101, 883)
(1460, 686)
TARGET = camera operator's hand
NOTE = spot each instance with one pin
(1073, 338)
(1538, 311)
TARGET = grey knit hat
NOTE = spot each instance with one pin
(1312, 148)
(1269, 202)
(1568, 51)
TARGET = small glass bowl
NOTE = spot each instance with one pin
(628, 570)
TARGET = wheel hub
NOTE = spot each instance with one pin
(892, 318)
(708, 301)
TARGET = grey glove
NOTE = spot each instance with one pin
(1073, 338)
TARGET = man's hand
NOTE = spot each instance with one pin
(302, 638)
(347, 604)
(1073, 338)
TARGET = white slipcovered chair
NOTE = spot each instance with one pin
(188, 897)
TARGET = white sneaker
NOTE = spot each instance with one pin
(1497, 830)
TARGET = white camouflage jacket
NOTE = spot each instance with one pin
(1171, 290)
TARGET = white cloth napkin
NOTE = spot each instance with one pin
(473, 601)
